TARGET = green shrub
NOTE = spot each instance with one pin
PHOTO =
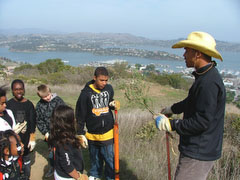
(147, 131)
(51, 66)
(56, 78)
(230, 96)
(174, 80)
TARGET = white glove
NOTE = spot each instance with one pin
(31, 145)
(24, 129)
(19, 126)
(162, 122)
(83, 141)
(115, 104)
(46, 136)
(167, 111)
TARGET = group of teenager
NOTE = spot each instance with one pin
(91, 126)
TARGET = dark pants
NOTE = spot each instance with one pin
(189, 169)
(99, 155)
(27, 165)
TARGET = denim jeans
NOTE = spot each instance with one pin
(100, 155)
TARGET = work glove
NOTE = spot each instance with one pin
(115, 104)
(32, 142)
(46, 136)
(19, 126)
(162, 122)
(167, 111)
(82, 176)
(83, 141)
(24, 129)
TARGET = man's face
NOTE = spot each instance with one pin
(18, 91)
(190, 57)
(15, 146)
(3, 103)
(100, 81)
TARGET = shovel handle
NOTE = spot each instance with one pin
(116, 145)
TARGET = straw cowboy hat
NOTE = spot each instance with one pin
(201, 41)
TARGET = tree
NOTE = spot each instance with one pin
(150, 67)
(138, 66)
(51, 66)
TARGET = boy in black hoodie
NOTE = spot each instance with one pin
(93, 108)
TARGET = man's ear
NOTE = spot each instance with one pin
(94, 78)
(198, 54)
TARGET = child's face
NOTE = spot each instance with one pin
(48, 97)
(18, 91)
(3, 103)
(15, 146)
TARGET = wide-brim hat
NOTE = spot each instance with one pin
(202, 42)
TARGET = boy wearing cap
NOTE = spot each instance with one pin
(201, 129)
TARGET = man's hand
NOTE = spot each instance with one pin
(83, 141)
(167, 111)
(32, 142)
(19, 126)
(162, 122)
(115, 104)
(46, 136)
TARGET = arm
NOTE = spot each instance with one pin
(32, 118)
(179, 107)
(74, 174)
(40, 120)
(81, 113)
(65, 161)
(205, 107)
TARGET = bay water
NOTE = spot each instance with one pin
(230, 62)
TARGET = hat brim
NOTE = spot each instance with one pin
(198, 46)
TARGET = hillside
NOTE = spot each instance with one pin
(93, 40)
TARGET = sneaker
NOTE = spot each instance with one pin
(49, 173)
(93, 178)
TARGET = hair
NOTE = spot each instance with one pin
(43, 90)
(207, 57)
(3, 90)
(17, 81)
(63, 127)
(5, 142)
(101, 71)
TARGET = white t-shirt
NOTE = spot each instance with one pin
(4, 124)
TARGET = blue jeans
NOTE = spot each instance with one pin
(98, 155)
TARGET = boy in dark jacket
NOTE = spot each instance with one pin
(44, 108)
(93, 109)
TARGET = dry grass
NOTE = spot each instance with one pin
(142, 159)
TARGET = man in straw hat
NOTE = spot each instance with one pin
(201, 129)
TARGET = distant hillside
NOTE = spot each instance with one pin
(95, 40)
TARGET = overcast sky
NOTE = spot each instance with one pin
(155, 19)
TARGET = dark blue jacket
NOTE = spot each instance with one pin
(201, 130)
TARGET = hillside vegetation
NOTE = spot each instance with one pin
(142, 146)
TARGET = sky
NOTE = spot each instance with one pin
(154, 19)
